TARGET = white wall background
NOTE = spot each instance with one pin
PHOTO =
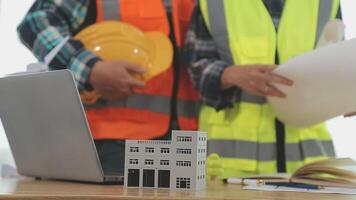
(14, 57)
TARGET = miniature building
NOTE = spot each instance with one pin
(176, 164)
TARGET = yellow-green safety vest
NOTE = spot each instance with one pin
(245, 135)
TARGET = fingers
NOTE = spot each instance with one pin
(136, 83)
(265, 73)
(113, 94)
(134, 68)
(266, 91)
(264, 82)
(257, 79)
(115, 80)
(267, 68)
(273, 91)
(261, 88)
(120, 91)
(275, 78)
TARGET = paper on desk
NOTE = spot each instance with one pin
(8, 171)
(329, 190)
(324, 85)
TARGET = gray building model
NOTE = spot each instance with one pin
(176, 164)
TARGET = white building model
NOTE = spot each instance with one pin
(176, 164)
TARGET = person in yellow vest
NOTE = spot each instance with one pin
(128, 108)
(232, 48)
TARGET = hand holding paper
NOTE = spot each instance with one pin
(324, 85)
(325, 81)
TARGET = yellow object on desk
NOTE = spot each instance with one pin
(119, 41)
(214, 168)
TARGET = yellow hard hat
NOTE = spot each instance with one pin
(114, 40)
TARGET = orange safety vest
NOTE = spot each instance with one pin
(146, 114)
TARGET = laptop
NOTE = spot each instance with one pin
(47, 130)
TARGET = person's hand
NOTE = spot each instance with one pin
(255, 79)
(113, 80)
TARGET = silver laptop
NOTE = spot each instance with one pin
(47, 129)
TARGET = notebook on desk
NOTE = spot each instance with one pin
(325, 176)
(47, 129)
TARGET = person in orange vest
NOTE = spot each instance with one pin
(128, 108)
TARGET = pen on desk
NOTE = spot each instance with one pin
(245, 181)
(293, 185)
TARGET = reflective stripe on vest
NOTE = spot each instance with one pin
(145, 114)
(111, 9)
(267, 151)
(153, 103)
(245, 134)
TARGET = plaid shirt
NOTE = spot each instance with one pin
(205, 65)
(48, 22)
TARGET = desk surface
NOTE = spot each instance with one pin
(40, 190)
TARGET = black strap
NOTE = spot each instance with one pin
(280, 143)
(174, 125)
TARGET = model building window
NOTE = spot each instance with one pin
(164, 150)
(133, 161)
(164, 162)
(148, 162)
(184, 138)
(184, 151)
(187, 163)
(180, 138)
(133, 149)
(183, 183)
(184, 163)
(149, 150)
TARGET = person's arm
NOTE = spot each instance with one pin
(204, 65)
(220, 83)
(46, 24)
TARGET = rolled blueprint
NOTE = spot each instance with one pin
(324, 85)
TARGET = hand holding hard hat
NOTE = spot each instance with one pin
(118, 41)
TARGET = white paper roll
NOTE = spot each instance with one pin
(324, 85)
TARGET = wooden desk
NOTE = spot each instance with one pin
(55, 190)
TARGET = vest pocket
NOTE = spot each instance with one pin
(146, 15)
(251, 50)
(152, 9)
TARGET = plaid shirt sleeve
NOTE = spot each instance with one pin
(46, 24)
(205, 67)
